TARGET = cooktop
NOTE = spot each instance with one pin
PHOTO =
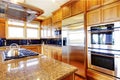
(22, 53)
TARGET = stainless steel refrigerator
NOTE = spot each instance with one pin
(73, 43)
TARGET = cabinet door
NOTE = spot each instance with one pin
(91, 4)
(94, 17)
(2, 30)
(39, 49)
(32, 48)
(2, 48)
(108, 1)
(54, 17)
(119, 11)
(59, 15)
(45, 50)
(110, 12)
(59, 50)
(54, 52)
(77, 7)
(66, 11)
(58, 25)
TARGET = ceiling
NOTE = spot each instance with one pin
(48, 6)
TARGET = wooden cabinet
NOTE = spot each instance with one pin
(92, 4)
(52, 52)
(108, 1)
(119, 11)
(77, 7)
(57, 16)
(110, 12)
(46, 28)
(66, 11)
(47, 22)
(59, 52)
(94, 17)
(35, 48)
(2, 48)
(2, 28)
(105, 14)
(58, 25)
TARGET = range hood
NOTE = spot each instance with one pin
(17, 11)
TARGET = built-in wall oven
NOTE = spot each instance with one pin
(104, 61)
(103, 49)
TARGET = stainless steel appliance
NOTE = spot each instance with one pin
(104, 61)
(104, 36)
(73, 47)
(103, 48)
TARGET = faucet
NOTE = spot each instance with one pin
(28, 42)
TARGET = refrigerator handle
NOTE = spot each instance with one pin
(64, 41)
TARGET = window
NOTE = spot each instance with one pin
(32, 33)
(14, 32)
(49, 32)
(15, 29)
(44, 33)
(33, 30)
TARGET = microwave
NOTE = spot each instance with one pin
(104, 34)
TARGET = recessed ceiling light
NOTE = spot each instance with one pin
(53, 0)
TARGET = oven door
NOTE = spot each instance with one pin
(102, 62)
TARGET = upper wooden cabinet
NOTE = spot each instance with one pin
(91, 4)
(66, 11)
(106, 14)
(58, 25)
(46, 28)
(77, 7)
(57, 16)
(108, 1)
(47, 22)
(110, 12)
(119, 11)
(94, 17)
(2, 28)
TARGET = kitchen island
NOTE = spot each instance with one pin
(35, 68)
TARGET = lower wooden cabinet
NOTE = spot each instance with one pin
(52, 51)
(36, 48)
(2, 48)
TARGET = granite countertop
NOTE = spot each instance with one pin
(34, 68)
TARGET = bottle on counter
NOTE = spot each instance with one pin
(4, 42)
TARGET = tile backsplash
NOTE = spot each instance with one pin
(7, 42)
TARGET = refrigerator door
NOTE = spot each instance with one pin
(73, 52)
(76, 38)
(65, 47)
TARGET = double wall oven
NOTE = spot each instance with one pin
(103, 48)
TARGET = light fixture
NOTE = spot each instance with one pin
(53, 0)
(15, 1)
